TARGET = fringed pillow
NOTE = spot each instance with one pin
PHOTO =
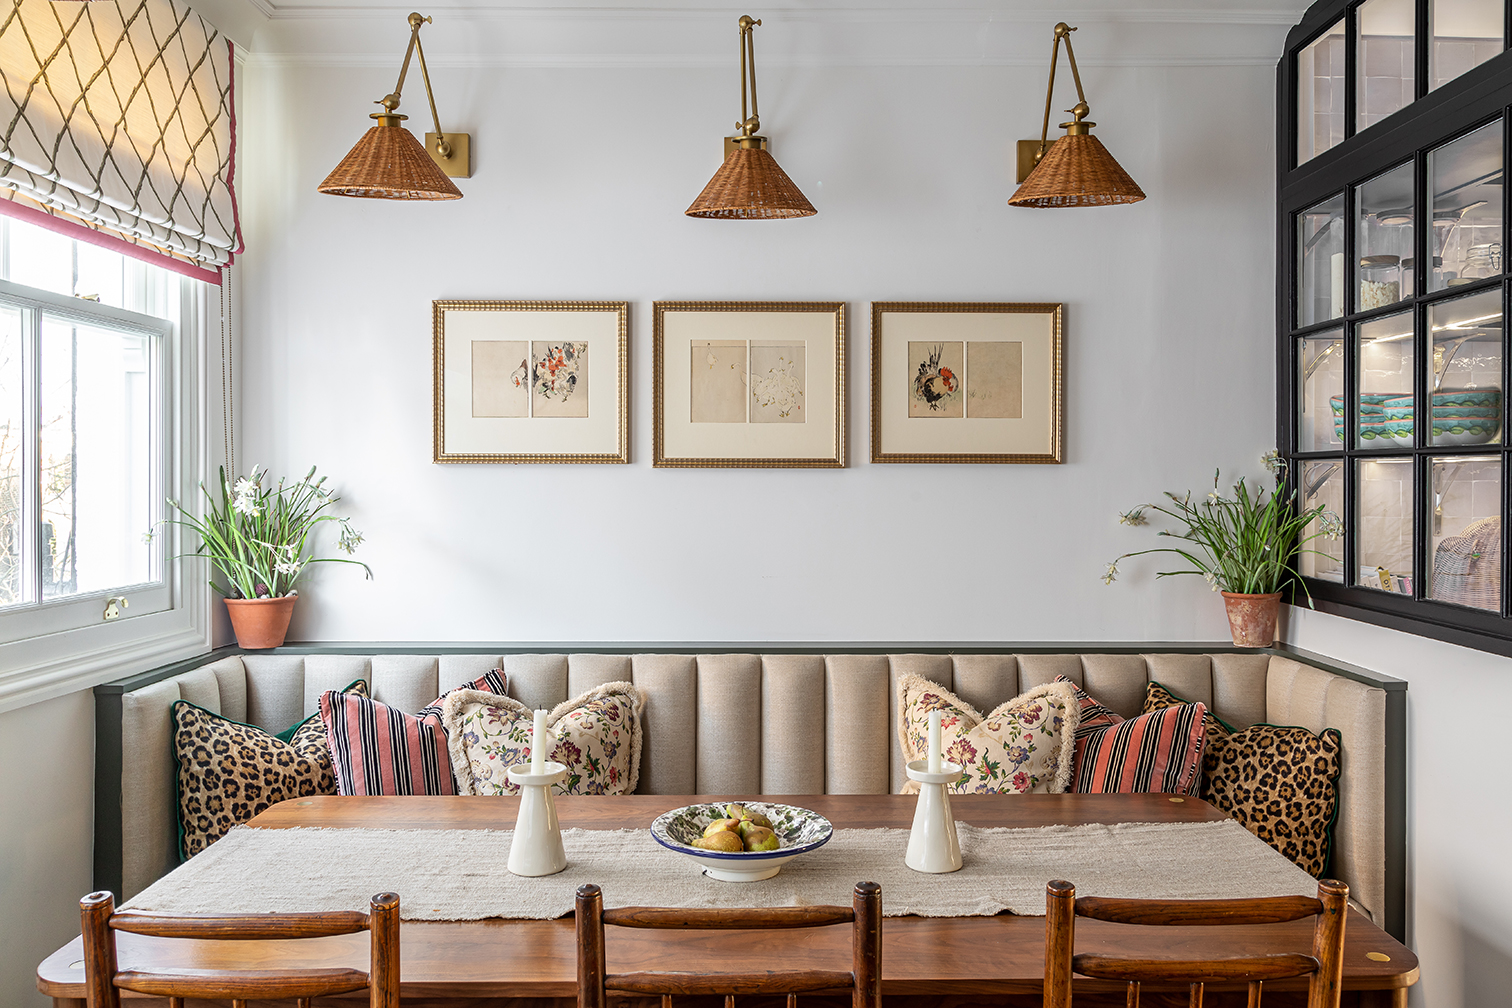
(1024, 746)
(596, 736)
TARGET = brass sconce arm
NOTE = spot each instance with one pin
(390, 102)
(749, 123)
(1080, 112)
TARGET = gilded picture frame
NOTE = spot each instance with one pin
(531, 381)
(749, 384)
(968, 382)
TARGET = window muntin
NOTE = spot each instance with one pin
(1320, 262)
(1465, 33)
(1385, 59)
(1320, 93)
(1384, 210)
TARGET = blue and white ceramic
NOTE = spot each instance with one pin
(798, 830)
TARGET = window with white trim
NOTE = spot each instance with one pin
(87, 339)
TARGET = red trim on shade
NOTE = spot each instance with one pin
(72, 229)
(231, 163)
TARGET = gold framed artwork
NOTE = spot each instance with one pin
(966, 382)
(531, 381)
(749, 384)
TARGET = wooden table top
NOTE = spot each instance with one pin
(921, 956)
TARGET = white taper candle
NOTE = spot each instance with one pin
(936, 744)
(538, 743)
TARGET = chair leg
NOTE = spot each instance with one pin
(1254, 993)
(1196, 1001)
(792, 1001)
(729, 1001)
(1131, 996)
(1060, 931)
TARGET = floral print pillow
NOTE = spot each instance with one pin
(1026, 745)
(596, 736)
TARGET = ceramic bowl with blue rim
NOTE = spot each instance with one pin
(798, 830)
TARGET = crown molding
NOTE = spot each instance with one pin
(624, 61)
(849, 15)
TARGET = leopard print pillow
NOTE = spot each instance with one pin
(228, 772)
(1281, 784)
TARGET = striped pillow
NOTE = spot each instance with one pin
(1160, 751)
(380, 750)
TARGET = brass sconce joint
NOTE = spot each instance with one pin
(750, 122)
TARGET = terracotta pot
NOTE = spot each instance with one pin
(260, 623)
(1252, 618)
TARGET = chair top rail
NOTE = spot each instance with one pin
(1263, 910)
(794, 982)
(240, 984)
(242, 927)
(1279, 966)
(728, 920)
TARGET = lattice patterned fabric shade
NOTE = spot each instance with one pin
(1077, 170)
(119, 113)
(750, 185)
(389, 163)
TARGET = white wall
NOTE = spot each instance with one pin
(1458, 797)
(46, 835)
(583, 167)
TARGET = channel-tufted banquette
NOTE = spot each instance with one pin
(787, 724)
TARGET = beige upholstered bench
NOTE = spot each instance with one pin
(788, 723)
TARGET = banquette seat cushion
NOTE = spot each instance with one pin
(778, 724)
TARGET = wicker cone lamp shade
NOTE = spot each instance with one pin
(389, 163)
(750, 185)
(1077, 170)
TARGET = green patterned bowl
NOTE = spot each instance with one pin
(798, 830)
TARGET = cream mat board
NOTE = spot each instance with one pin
(461, 874)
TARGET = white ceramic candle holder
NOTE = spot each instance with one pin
(933, 846)
(537, 845)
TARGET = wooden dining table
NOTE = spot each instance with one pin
(927, 962)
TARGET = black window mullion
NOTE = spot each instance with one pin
(1506, 468)
(1351, 34)
(1423, 47)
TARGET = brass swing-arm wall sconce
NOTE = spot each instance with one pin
(749, 185)
(389, 163)
(1076, 170)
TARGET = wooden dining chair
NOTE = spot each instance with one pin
(1325, 964)
(104, 980)
(864, 979)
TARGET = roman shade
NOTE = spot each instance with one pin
(117, 119)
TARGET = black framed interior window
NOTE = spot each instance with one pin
(1392, 299)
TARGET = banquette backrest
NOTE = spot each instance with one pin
(753, 724)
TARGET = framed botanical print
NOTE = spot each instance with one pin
(531, 381)
(749, 383)
(966, 382)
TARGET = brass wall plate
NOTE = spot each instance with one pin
(1028, 157)
(459, 165)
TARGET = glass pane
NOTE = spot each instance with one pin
(1467, 208)
(1320, 94)
(96, 458)
(1383, 208)
(1467, 370)
(1386, 59)
(1464, 530)
(40, 258)
(101, 274)
(1320, 410)
(1320, 262)
(13, 588)
(1466, 33)
(1383, 526)
(1323, 483)
(1385, 382)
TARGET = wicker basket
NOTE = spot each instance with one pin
(1467, 567)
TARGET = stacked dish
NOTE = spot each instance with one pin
(1460, 417)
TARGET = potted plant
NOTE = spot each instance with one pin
(257, 537)
(1244, 546)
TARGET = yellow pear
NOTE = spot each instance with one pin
(735, 811)
(721, 826)
(759, 838)
(725, 841)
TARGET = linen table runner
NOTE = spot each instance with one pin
(461, 875)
